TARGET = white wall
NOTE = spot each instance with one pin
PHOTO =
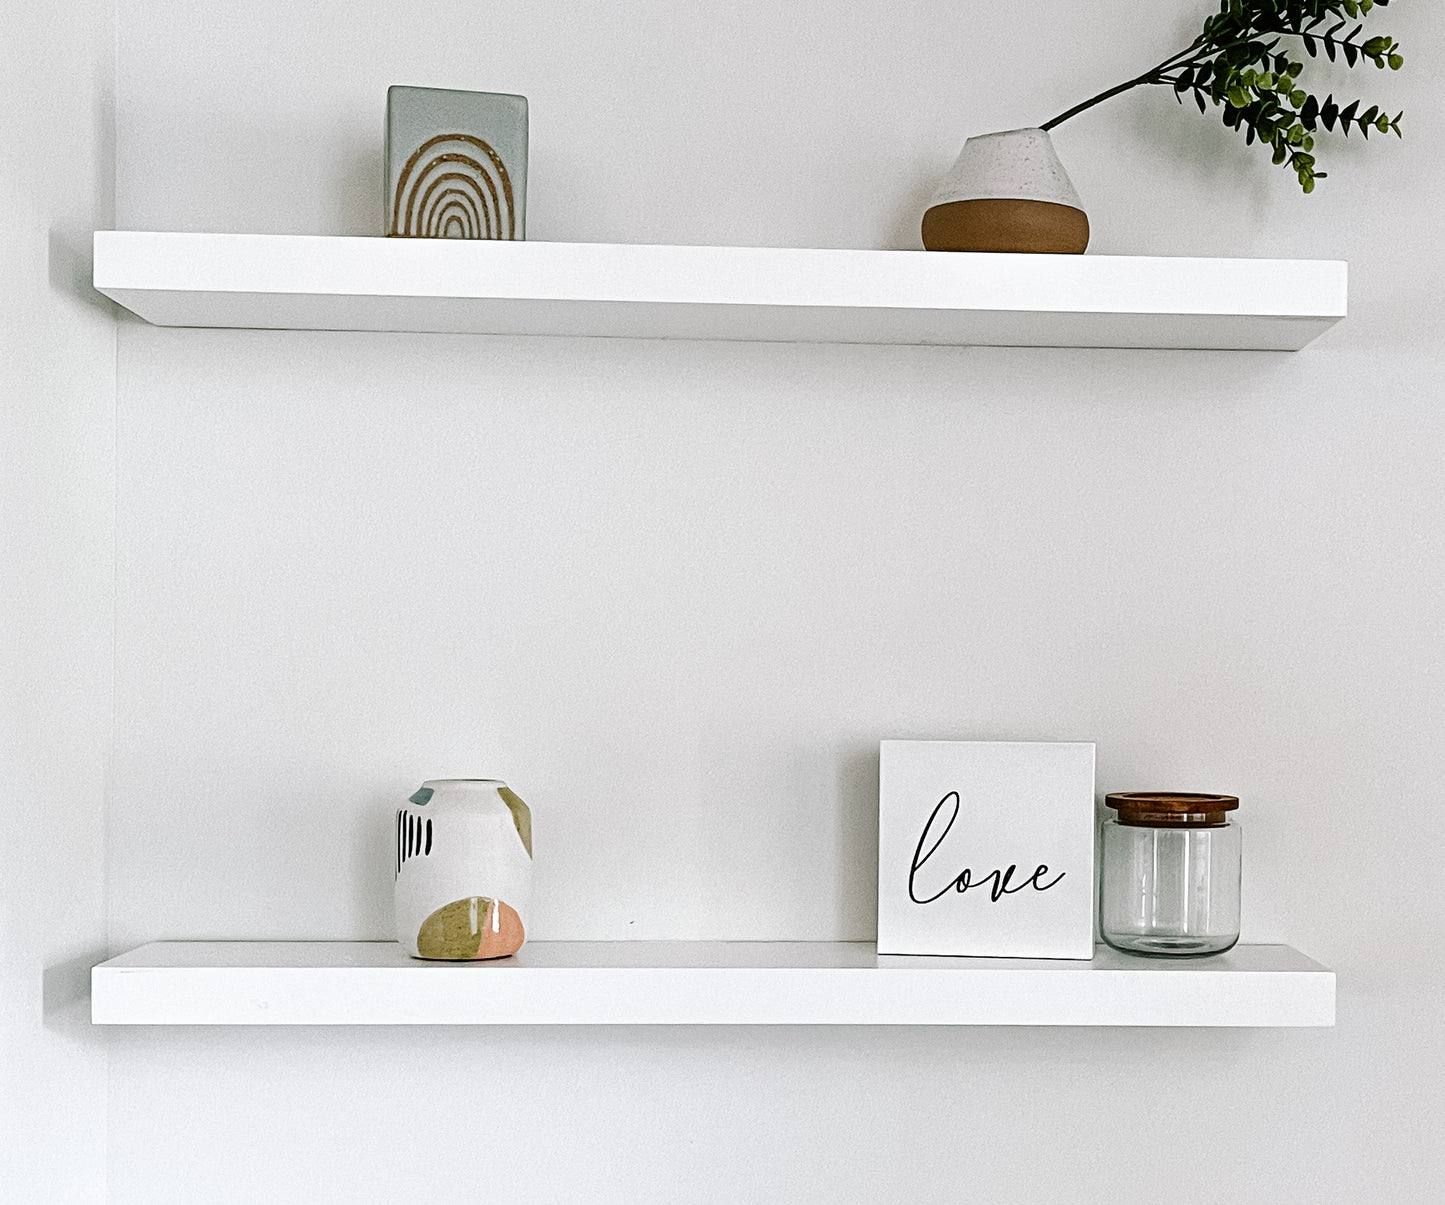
(674, 593)
(57, 401)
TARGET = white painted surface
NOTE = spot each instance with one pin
(986, 848)
(697, 983)
(57, 404)
(681, 589)
(781, 295)
(1022, 164)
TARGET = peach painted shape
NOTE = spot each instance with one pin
(502, 933)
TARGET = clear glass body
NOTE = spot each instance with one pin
(1169, 889)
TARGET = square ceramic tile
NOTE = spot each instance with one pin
(456, 163)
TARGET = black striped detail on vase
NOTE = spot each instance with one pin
(413, 837)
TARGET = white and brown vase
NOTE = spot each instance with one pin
(463, 870)
(1006, 192)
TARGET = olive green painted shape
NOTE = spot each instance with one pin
(453, 932)
(521, 816)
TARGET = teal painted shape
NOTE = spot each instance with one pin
(421, 798)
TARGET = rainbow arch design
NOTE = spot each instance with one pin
(454, 186)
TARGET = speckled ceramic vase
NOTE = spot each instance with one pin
(1006, 192)
(463, 870)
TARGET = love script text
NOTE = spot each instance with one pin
(1000, 881)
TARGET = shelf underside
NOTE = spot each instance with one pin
(304, 282)
(698, 983)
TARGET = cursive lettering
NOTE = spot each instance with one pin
(1000, 881)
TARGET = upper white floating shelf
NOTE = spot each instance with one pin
(306, 282)
(697, 983)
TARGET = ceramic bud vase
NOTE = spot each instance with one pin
(463, 870)
(1006, 192)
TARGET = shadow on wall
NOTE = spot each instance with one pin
(373, 851)
(858, 840)
(72, 269)
(70, 260)
(65, 996)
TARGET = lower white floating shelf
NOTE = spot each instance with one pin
(774, 294)
(697, 983)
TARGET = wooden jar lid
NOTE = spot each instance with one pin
(1170, 807)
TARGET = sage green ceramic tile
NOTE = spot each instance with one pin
(456, 163)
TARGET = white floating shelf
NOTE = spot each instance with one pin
(304, 282)
(697, 983)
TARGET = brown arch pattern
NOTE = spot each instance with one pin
(444, 184)
(475, 187)
(448, 212)
(422, 196)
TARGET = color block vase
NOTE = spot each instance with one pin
(463, 870)
(456, 164)
(1006, 192)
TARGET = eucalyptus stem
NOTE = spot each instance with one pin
(1149, 77)
(1097, 100)
(1236, 65)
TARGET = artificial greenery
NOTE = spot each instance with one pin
(1237, 63)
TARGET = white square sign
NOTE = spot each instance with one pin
(986, 848)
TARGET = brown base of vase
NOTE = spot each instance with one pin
(1006, 225)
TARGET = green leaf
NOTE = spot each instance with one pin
(1236, 64)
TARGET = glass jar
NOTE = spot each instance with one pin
(1169, 881)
